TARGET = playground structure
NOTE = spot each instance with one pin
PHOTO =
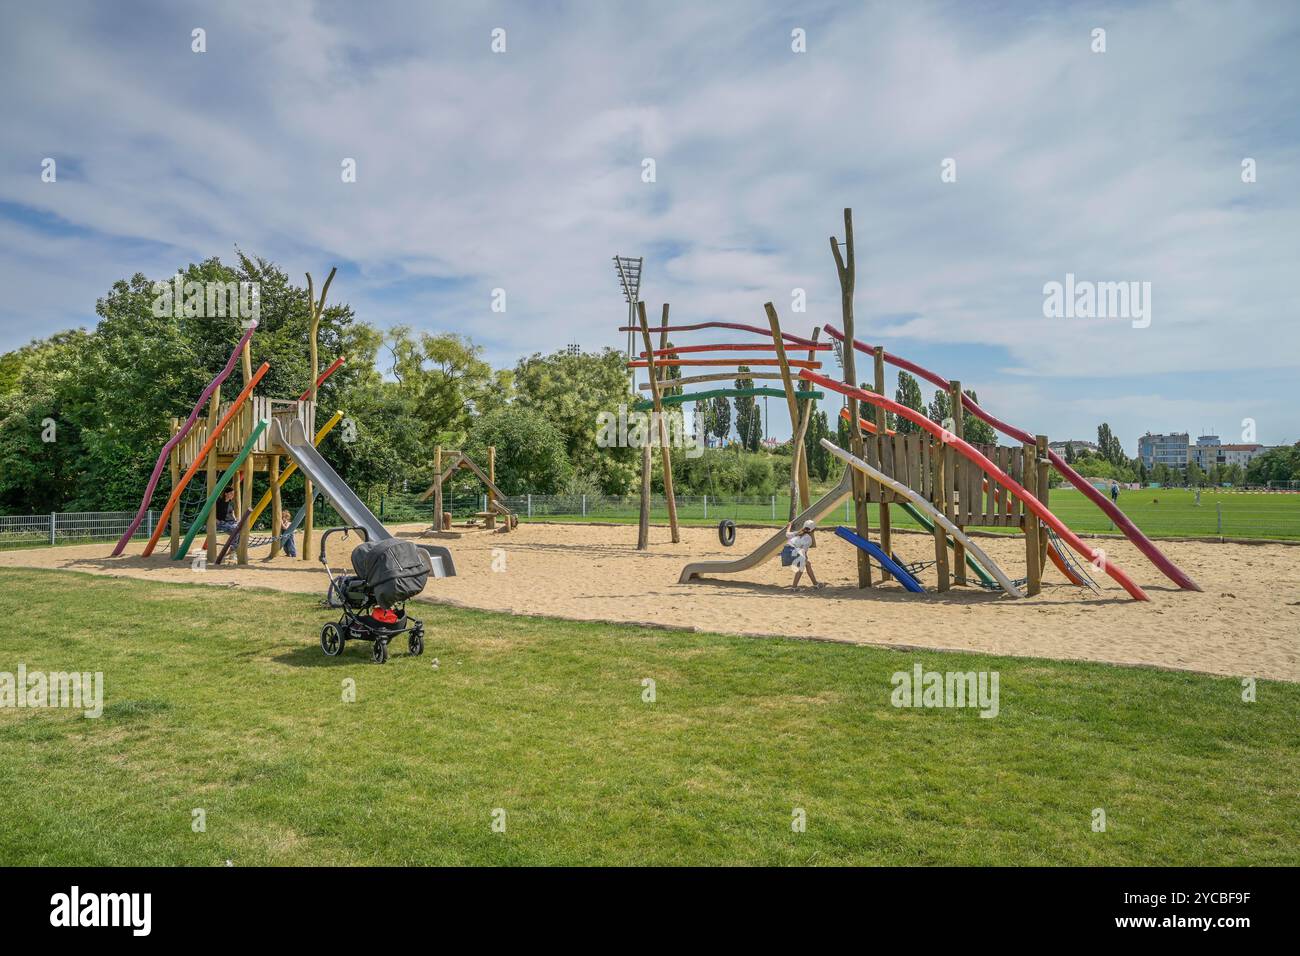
(666, 392)
(247, 434)
(944, 483)
(444, 469)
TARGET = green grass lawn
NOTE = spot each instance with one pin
(1160, 513)
(222, 700)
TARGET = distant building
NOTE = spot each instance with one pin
(1207, 452)
(1173, 450)
(1079, 446)
(1240, 454)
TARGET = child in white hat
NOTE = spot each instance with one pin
(799, 542)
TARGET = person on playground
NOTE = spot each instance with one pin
(799, 542)
(286, 536)
(227, 520)
(1114, 491)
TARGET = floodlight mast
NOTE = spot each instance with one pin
(629, 277)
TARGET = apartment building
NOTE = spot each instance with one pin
(1172, 450)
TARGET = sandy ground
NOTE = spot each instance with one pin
(1245, 622)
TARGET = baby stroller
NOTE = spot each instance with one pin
(387, 574)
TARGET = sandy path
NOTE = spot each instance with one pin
(1246, 622)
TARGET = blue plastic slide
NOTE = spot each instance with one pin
(888, 563)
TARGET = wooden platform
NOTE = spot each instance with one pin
(233, 438)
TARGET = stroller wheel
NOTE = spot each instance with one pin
(331, 640)
(415, 642)
(379, 653)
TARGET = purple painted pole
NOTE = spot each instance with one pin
(178, 438)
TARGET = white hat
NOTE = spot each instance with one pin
(809, 525)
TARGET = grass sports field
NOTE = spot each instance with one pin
(221, 701)
(1160, 513)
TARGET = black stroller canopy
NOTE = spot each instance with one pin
(394, 570)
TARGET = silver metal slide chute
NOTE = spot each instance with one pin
(815, 512)
(350, 507)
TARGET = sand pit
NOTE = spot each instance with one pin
(1246, 622)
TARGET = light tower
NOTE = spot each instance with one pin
(629, 277)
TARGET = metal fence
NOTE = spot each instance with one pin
(69, 527)
(1225, 515)
(1229, 515)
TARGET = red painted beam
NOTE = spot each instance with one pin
(970, 453)
(323, 375)
(1121, 520)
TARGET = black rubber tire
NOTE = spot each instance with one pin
(331, 640)
(379, 652)
(415, 642)
(727, 532)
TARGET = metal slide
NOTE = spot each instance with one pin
(815, 512)
(326, 480)
(935, 515)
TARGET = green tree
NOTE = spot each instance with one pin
(531, 456)
(720, 417)
(572, 392)
(748, 423)
(940, 409)
(446, 381)
(819, 459)
(1276, 464)
(909, 395)
(976, 430)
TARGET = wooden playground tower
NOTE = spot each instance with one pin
(238, 433)
(266, 455)
(456, 460)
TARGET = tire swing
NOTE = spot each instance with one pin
(727, 532)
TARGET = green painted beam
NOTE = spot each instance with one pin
(221, 486)
(928, 525)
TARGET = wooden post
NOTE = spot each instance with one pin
(491, 521)
(214, 416)
(277, 506)
(665, 452)
(244, 494)
(792, 401)
(437, 488)
(882, 425)
(176, 480)
(938, 453)
(643, 529)
(316, 308)
(1029, 521)
(846, 269)
(643, 524)
(958, 429)
(1044, 466)
(808, 410)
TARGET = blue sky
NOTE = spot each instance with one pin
(522, 171)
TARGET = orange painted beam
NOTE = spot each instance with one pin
(226, 419)
(738, 347)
